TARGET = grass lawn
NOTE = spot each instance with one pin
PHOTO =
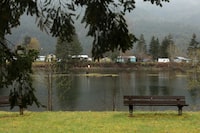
(100, 122)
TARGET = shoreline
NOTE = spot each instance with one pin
(141, 66)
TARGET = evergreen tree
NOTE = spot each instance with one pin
(193, 43)
(141, 45)
(157, 48)
(151, 45)
(154, 47)
(141, 48)
(64, 51)
(164, 48)
(193, 49)
(171, 49)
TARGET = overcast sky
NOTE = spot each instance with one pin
(175, 4)
(175, 10)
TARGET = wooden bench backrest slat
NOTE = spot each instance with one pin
(4, 97)
(154, 102)
(154, 97)
(4, 100)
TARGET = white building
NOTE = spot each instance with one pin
(125, 59)
(179, 59)
(81, 57)
(50, 58)
(163, 60)
(41, 58)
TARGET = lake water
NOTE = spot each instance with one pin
(104, 91)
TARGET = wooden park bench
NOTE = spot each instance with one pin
(4, 101)
(178, 101)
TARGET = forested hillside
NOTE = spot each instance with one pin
(179, 18)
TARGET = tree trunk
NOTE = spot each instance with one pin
(21, 110)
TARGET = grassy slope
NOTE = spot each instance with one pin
(102, 122)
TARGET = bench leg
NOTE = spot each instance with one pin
(180, 110)
(130, 110)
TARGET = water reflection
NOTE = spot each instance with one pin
(99, 93)
(67, 92)
(194, 88)
(79, 92)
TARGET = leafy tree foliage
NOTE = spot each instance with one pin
(12, 10)
(108, 26)
(22, 94)
(109, 29)
(34, 44)
(5, 56)
(104, 19)
(18, 75)
(30, 43)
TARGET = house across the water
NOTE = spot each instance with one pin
(125, 59)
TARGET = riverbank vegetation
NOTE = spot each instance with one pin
(102, 122)
(182, 67)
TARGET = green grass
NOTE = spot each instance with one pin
(100, 122)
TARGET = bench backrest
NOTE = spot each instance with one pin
(4, 100)
(154, 100)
